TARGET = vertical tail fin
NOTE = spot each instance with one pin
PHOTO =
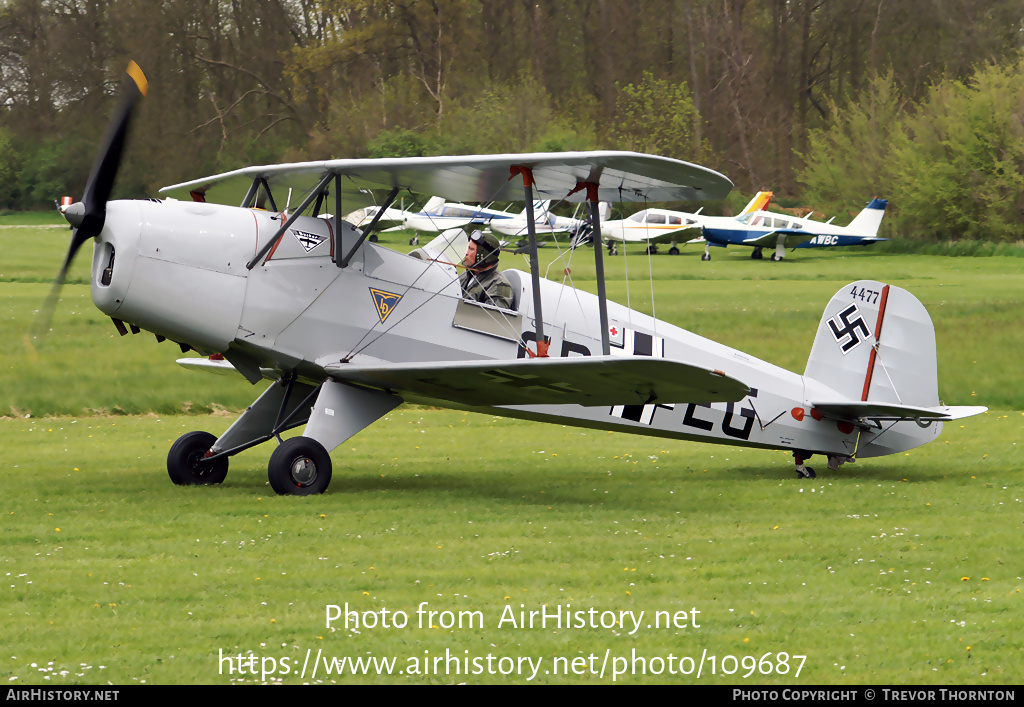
(876, 343)
(433, 205)
(760, 202)
(866, 223)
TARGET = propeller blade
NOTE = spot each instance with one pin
(104, 170)
(88, 216)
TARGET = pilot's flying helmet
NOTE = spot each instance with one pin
(487, 249)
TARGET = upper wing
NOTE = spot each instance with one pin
(855, 410)
(622, 176)
(589, 380)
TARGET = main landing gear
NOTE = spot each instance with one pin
(300, 466)
(186, 463)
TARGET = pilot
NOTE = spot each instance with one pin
(482, 282)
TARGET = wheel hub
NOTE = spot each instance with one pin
(303, 471)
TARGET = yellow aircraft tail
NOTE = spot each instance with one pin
(758, 203)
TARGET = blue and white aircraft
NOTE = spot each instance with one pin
(760, 229)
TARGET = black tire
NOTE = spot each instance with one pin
(185, 461)
(775, 258)
(372, 238)
(757, 254)
(706, 256)
(673, 251)
(300, 466)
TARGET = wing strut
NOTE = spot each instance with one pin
(531, 229)
(291, 219)
(602, 295)
(369, 228)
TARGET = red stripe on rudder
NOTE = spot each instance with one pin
(874, 350)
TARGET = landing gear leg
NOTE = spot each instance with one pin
(613, 249)
(803, 472)
(707, 252)
(780, 253)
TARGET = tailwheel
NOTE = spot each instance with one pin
(300, 466)
(802, 471)
(186, 463)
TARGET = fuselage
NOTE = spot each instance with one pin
(728, 230)
(651, 225)
(178, 269)
(448, 216)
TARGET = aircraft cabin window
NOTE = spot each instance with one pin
(674, 220)
(638, 216)
(656, 218)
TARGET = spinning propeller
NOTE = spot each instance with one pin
(88, 215)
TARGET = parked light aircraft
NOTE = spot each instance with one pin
(345, 330)
(654, 226)
(761, 228)
(545, 222)
(439, 215)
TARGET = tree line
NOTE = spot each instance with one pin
(826, 102)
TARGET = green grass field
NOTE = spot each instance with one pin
(899, 570)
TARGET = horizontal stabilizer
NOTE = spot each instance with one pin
(589, 380)
(854, 410)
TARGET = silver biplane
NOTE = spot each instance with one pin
(345, 329)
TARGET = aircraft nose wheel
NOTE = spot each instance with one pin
(185, 463)
(300, 466)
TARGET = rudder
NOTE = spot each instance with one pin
(866, 223)
(876, 342)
